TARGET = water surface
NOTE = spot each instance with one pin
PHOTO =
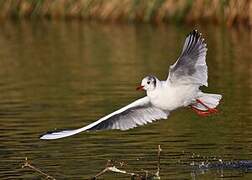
(66, 75)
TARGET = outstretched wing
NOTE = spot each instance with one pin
(190, 68)
(138, 113)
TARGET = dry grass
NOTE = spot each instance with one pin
(230, 12)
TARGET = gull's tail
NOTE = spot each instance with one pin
(210, 100)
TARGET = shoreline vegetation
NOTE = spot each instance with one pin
(228, 12)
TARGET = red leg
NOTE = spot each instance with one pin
(204, 113)
(200, 112)
(211, 110)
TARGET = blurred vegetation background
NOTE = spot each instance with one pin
(229, 12)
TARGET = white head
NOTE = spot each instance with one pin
(148, 83)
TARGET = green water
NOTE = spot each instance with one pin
(66, 75)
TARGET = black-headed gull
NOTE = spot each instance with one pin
(180, 89)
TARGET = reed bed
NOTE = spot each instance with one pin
(229, 12)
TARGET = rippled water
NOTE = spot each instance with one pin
(66, 75)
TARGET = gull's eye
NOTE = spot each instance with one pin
(148, 82)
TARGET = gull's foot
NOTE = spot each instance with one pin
(213, 110)
(204, 113)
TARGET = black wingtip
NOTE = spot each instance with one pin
(50, 132)
(194, 40)
(40, 136)
(195, 32)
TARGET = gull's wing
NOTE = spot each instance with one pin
(190, 68)
(139, 112)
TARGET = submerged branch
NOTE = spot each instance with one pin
(111, 166)
(143, 175)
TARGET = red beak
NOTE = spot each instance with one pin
(140, 88)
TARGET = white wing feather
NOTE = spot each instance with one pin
(139, 112)
(190, 68)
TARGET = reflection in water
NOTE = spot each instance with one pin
(66, 75)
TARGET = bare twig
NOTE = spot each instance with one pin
(158, 164)
(28, 165)
(112, 168)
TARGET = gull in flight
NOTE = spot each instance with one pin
(180, 89)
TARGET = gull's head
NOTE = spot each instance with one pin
(148, 83)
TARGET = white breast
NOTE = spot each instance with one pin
(168, 97)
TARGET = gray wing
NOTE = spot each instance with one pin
(190, 68)
(138, 113)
